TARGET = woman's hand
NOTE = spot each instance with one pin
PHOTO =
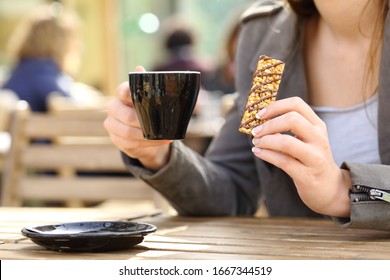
(305, 155)
(125, 131)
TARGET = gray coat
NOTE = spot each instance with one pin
(229, 180)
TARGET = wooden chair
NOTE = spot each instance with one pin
(50, 171)
(9, 101)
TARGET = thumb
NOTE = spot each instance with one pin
(140, 69)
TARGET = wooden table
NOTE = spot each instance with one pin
(218, 238)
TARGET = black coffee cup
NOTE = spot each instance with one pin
(164, 102)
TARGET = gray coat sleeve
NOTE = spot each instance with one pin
(369, 208)
(224, 182)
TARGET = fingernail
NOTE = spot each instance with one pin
(255, 141)
(256, 150)
(261, 113)
(257, 130)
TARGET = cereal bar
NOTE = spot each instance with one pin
(265, 85)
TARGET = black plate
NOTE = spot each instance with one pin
(89, 236)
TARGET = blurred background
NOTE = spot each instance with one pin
(118, 35)
(66, 58)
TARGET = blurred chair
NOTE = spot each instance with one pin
(8, 104)
(82, 97)
(49, 151)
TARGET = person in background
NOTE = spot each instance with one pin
(47, 52)
(325, 149)
(179, 42)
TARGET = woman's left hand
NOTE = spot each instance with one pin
(305, 155)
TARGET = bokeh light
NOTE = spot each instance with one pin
(149, 23)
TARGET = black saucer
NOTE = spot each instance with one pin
(89, 236)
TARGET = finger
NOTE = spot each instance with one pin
(122, 113)
(136, 144)
(290, 165)
(292, 122)
(123, 93)
(127, 132)
(122, 128)
(123, 90)
(129, 138)
(289, 146)
(137, 148)
(140, 69)
(291, 104)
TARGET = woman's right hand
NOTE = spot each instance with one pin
(125, 131)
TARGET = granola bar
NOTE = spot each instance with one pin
(265, 85)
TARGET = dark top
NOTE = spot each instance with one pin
(33, 80)
(182, 59)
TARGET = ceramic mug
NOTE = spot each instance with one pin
(164, 102)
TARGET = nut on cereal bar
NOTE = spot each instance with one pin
(265, 85)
